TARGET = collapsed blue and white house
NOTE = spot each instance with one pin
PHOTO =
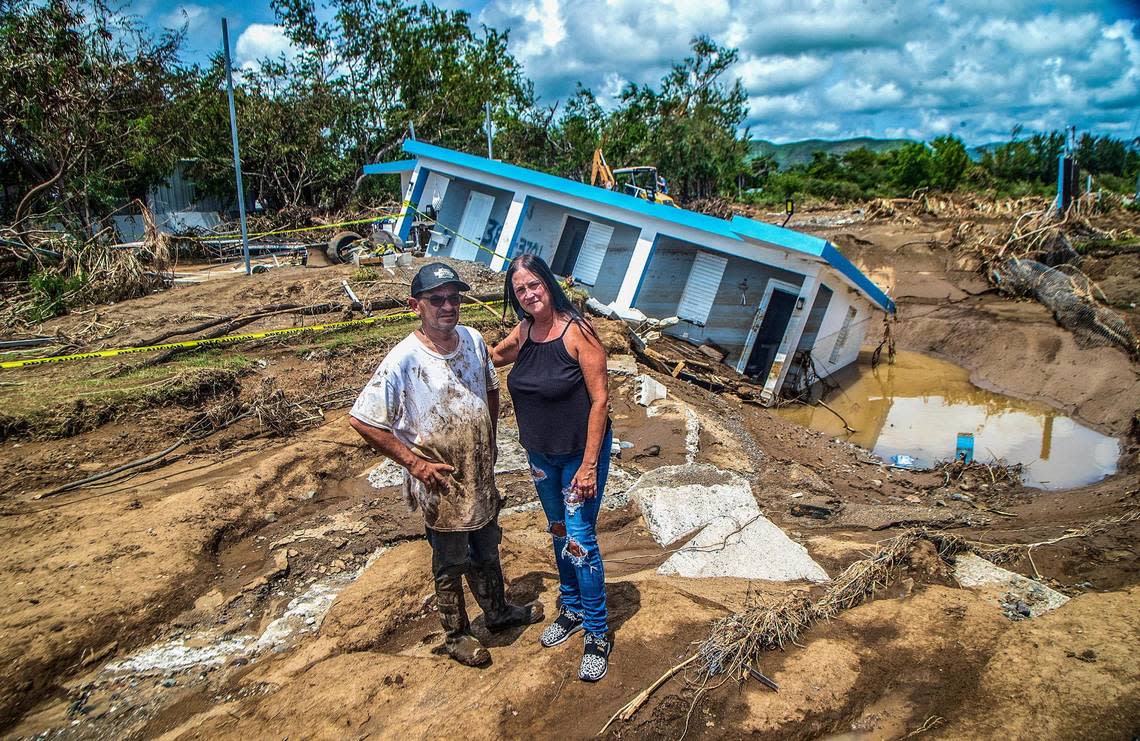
(760, 292)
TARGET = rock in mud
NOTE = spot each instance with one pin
(1018, 596)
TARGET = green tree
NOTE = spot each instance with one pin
(87, 112)
(401, 64)
(949, 162)
(910, 166)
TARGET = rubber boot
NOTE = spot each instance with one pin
(486, 582)
(460, 644)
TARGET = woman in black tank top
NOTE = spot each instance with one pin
(559, 390)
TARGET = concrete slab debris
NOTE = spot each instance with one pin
(622, 365)
(676, 500)
(734, 538)
(758, 550)
(1018, 596)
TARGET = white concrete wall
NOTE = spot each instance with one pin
(729, 321)
(541, 230)
(829, 331)
(455, 201)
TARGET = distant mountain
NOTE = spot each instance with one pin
(976, 152)
(799, 153)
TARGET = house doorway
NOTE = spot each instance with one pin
(771, 333)
(573, 233)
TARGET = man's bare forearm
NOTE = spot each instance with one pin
(385, 442)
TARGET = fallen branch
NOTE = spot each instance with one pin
(114, 471)
(628, 710)
(846, 426)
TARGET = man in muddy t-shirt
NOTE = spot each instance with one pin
(432, 406)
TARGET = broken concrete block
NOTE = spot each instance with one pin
(622, 365)
(734, 539)
(512, 456)
(713, 351)
(676, 500)
(649, 390)
(388, 473)
(751, 549)
(1018, 596)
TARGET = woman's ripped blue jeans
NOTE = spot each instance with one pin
(573, 527)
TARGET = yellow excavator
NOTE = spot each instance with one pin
(640, 182)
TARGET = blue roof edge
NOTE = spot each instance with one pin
(388, 168)
(778, 235)
(572, 187)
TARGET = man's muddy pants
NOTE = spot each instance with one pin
(473, 553)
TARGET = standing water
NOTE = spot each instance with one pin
(917, 407)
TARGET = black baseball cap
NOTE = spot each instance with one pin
(434, 275)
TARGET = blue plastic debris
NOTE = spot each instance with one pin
(903, 461)
(965, 451)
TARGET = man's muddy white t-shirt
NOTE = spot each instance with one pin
(437, 406)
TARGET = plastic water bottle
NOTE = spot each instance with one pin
(573, 499)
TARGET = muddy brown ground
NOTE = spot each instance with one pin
(220, 539)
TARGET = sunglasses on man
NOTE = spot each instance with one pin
(438, 301)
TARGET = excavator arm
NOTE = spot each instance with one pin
(600, 172)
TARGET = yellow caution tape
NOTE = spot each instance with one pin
(230, 339)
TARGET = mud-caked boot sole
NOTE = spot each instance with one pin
(467, 650)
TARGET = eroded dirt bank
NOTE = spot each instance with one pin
(288, 593)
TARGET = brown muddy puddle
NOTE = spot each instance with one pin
(917, 407)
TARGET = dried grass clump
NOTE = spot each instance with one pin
(269, 405)
(67, 273)
(734, 643)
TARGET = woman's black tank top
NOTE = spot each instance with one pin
(552, 405)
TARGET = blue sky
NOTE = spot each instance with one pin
(814, 68)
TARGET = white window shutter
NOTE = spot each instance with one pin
(701, 287)
(594, 246)
(472, 226)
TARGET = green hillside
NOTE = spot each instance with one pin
(799, 153)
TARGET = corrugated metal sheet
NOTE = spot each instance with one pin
(594, 246)
(701, 287)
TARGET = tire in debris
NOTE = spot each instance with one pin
(338, 246)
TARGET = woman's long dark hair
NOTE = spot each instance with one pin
(558, 297)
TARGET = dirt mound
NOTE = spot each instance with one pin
(216, 546)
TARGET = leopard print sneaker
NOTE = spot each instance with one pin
(595, 658)
(565, 625)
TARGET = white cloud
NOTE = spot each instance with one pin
(261, 40)
(188, 13)
(775, 74)
(860, 95)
